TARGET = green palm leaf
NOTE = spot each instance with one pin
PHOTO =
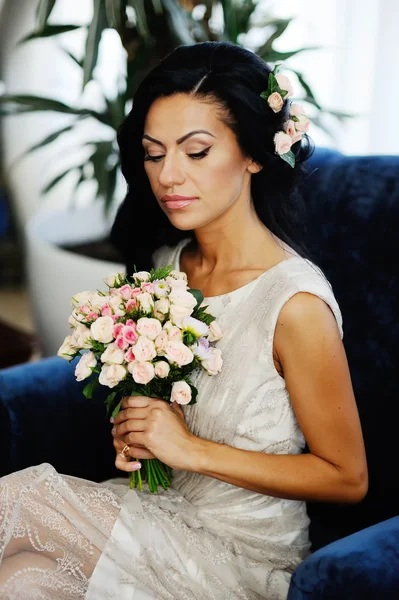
(96, 28)
(49, 31)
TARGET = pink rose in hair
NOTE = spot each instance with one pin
(275, 102)
(285, 84)
(282, 142)
(296, 110)
(302, 124)
(289, 127)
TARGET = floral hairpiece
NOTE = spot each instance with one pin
(279, 87)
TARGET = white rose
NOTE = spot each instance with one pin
(66, 351)
(182, 298)
(177, 313)
(144, 349)
(177, 284)
(179, 275)
(162, 306)
(302, 124)
(161, 369)
(214, 364)
(161, 288)
(80, 337)
(160, 342)
(141, 275)
(146, 302)
(215, 333)
(179, 353)
(111, 280)
(102, 330)
(181, 392)
(194, 326)
(85, 366)
(111, 375)
(175, 334)
(82, 298)
(151, 328)
(113, 354)
(117, 305)
(142, 372)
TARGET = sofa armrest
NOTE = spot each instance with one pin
(44, 417)
(363, 565)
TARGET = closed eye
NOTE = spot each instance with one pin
(196, 156)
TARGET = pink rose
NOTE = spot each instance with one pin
(117, 329)
(296, 138)
(296, 110)
(136, 291)
(106, 310)
(142, 372)
(125, 291)
(151, 328)
(214, 364)
(181, 392)
(129, 334)
(275, 102)
(131, 305)
(144, 349)
(302, 124)
(121, 342)
(147, 287)
(111, 375)
(161, 369)
(178, 353)
(131, 323)
(129, 355)
(160, 342)
(289, 127)
(85, 365)
(113, 354)
(285, 84)
(282, 142)
(92, 316)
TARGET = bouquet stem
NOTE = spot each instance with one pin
(154, 472)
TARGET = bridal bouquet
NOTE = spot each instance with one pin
(143, 337)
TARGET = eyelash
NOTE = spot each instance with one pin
(197, 156)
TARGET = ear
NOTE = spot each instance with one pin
(254, 167)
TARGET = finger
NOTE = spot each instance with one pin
(128, 467)
(128, 426)
(130, 413)
(177, 409)
(135, 402)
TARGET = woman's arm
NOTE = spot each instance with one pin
(309, 348)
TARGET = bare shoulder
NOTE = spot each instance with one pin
(306, 324)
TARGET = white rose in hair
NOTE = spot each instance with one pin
(302, 124)
(102, 330)
(275, 102)
(296, 110)
(113, 355)
(282, 142)
(213, 365)
(66, 351)
(80, 337)
(181, 392)
(111, 375)
(144, 349)
(285, 84)
(142, 372)
(151, 328)
(85, 366)
(177, 352)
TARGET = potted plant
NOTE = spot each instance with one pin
(70, 251)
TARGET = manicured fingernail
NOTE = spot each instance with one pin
(134, 466)
(113, 431)
(111, 419)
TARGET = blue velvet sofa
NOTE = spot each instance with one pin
(353, 205)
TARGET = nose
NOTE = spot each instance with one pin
(171, 173)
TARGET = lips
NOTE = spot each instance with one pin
(176, 201)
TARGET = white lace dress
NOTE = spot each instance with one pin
(204, 539)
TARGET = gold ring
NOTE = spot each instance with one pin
(125, 452)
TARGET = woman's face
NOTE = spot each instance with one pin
(193, 162)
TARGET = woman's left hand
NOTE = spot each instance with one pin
(154, 429)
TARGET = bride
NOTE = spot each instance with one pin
(210, 191)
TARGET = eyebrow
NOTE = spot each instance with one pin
(180, 140)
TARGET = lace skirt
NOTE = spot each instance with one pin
(63, 538)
